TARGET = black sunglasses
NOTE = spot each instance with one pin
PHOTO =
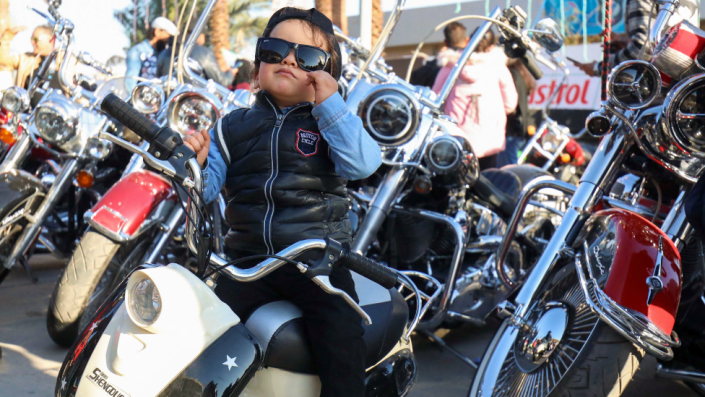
(309, 58)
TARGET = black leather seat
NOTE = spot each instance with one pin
(281, 330)
(501, 187)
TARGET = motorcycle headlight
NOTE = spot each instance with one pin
(550, 142)
(56, 119)
(634, 84)
(390, 113)
(144, 303)
(99, 148)
(683, 114)
(444, 155)
(191, 112)
(147, 98)
(15, 99)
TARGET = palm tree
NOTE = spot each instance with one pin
(377, 20)
(220, 36)
(335, 10)
(243, 24)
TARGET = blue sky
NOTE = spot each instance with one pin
(102, 35)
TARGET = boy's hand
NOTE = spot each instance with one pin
(323, 83)
(199, 142)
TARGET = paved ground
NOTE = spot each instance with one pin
(31, 361)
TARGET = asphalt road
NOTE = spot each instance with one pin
(30, 360)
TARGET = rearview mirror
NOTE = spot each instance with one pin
(548, 34)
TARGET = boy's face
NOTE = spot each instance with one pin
(286, 81)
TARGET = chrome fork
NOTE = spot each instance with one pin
(36, 220)
(17, 153)
(597, 178)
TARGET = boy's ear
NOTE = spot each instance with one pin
(255, 80)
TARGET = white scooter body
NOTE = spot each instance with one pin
(190, 340)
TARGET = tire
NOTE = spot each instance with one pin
(96, 262)
(607, 367)
(592, 360)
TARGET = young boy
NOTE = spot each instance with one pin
(284, 164)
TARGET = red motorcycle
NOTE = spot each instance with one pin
(552, 147)
(622, 275)
(141, 218)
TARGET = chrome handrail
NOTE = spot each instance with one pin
(527, 192)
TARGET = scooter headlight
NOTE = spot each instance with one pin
(15, 99)
(144, 302)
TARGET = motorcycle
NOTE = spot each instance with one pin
(622, 275)
(552, 146)
(50, 174)
(140, 219)
(429, 209)
(157, 306)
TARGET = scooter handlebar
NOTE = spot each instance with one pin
(368, 268)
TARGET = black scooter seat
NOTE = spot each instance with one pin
(281, 330)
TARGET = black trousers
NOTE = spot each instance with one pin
(334, 328)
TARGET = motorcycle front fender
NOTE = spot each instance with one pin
(630, 271)
(129, 207)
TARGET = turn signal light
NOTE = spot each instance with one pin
(531, 130)
(565, 157)
(422, 184)
(84, 179)
(6, 136)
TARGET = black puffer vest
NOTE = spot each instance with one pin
(281, 185)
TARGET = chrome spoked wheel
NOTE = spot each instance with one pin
(532, 360)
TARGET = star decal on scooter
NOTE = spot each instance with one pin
(63, 384)
(230, 362)
(94, 326)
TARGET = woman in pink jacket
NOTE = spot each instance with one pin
(481, 99)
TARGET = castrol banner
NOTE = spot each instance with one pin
(580, 90)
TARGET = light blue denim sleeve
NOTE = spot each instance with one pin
(134, 64)
(355, 154)
(214, 172)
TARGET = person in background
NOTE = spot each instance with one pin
(202, 60)
(243, 71)
(518, 120)
(142, 57)
(454, 43)
(637, 31)
(482, 97)
(26, 64)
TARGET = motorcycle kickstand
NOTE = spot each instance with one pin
(25, 263)
(444, 346)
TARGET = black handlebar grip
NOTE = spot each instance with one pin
(129, 117)
(531, 64)
(368, 268)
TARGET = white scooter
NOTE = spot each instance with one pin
(164, 332)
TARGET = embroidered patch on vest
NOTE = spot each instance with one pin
(307, 142)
